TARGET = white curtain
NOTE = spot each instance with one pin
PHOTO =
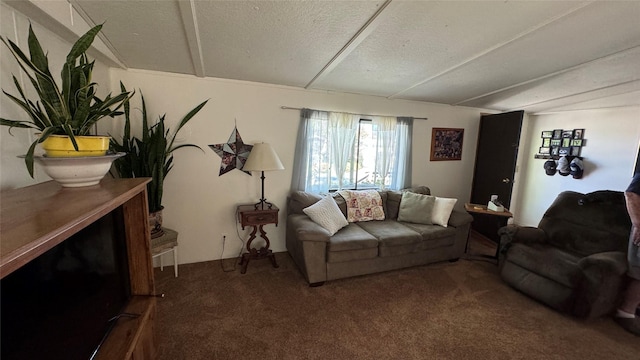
(402, 169)
(343, 129)
(385, 129)
(325, 148)
(309, 172)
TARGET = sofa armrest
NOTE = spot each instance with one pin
(604, 264)
(521, 234)
(307, 244)
(459, 218)
(306, 229)
(515, 233)
(602, 282)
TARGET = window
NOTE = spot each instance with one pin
(338, 151)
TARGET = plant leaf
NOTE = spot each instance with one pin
(82, 44)
(49, 91)
(28, 159)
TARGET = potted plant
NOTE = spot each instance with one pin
(150, 156)
(70, 110)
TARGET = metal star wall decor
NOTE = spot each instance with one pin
(234, 153)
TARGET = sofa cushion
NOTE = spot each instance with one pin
(391, 233)
(352, 237)
(432, 232)
(600, 224)
(416, 208)
(365, 205)
(393, 204)
(442, 210)
(300, 200)
(549, 262)
(351, 255)
(433, 237)
(342, 203)
(424, 190)
(326, 214)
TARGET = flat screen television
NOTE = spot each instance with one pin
(59, 305)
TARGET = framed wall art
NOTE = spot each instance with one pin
(446, 144)
(561, 142)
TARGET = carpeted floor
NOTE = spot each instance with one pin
(458, 310)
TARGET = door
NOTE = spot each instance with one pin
(496, 156)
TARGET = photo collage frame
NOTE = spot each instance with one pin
(560, 142)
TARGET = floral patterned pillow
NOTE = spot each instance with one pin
(363, 205)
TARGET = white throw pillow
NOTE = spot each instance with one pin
(327, 214)
(442, 211)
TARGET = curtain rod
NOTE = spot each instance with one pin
(294, 108)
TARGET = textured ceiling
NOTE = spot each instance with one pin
(502, 55)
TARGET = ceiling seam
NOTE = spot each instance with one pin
(493, 48)
(190, 25)
(550, 112)
(100, 35)
(575, 67)
(355, 40)
(583, 93)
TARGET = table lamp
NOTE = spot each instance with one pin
(263, 158)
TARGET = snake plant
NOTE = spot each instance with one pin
(71, 109)
(151, 156)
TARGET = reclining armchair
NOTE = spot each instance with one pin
(575, 260)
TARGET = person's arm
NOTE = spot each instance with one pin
(633, 207)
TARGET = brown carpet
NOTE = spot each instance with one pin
(458, 310)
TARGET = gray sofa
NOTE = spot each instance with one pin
(372, 246)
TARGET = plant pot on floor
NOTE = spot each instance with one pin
(155, 223)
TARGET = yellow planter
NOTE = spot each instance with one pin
(61, 146)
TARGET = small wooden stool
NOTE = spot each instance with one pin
(166, 243)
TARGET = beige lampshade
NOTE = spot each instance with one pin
(262, 158)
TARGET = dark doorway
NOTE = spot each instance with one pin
(495, 167)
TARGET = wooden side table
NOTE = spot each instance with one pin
(248, 215)
(501, 218)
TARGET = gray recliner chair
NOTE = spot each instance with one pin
(575, 260)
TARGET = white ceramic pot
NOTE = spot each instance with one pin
(77, 171)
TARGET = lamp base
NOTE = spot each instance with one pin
(261, 204)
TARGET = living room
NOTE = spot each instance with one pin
(200, 204)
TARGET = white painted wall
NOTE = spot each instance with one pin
(15, 26)
(612, 138)
(201, 205)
